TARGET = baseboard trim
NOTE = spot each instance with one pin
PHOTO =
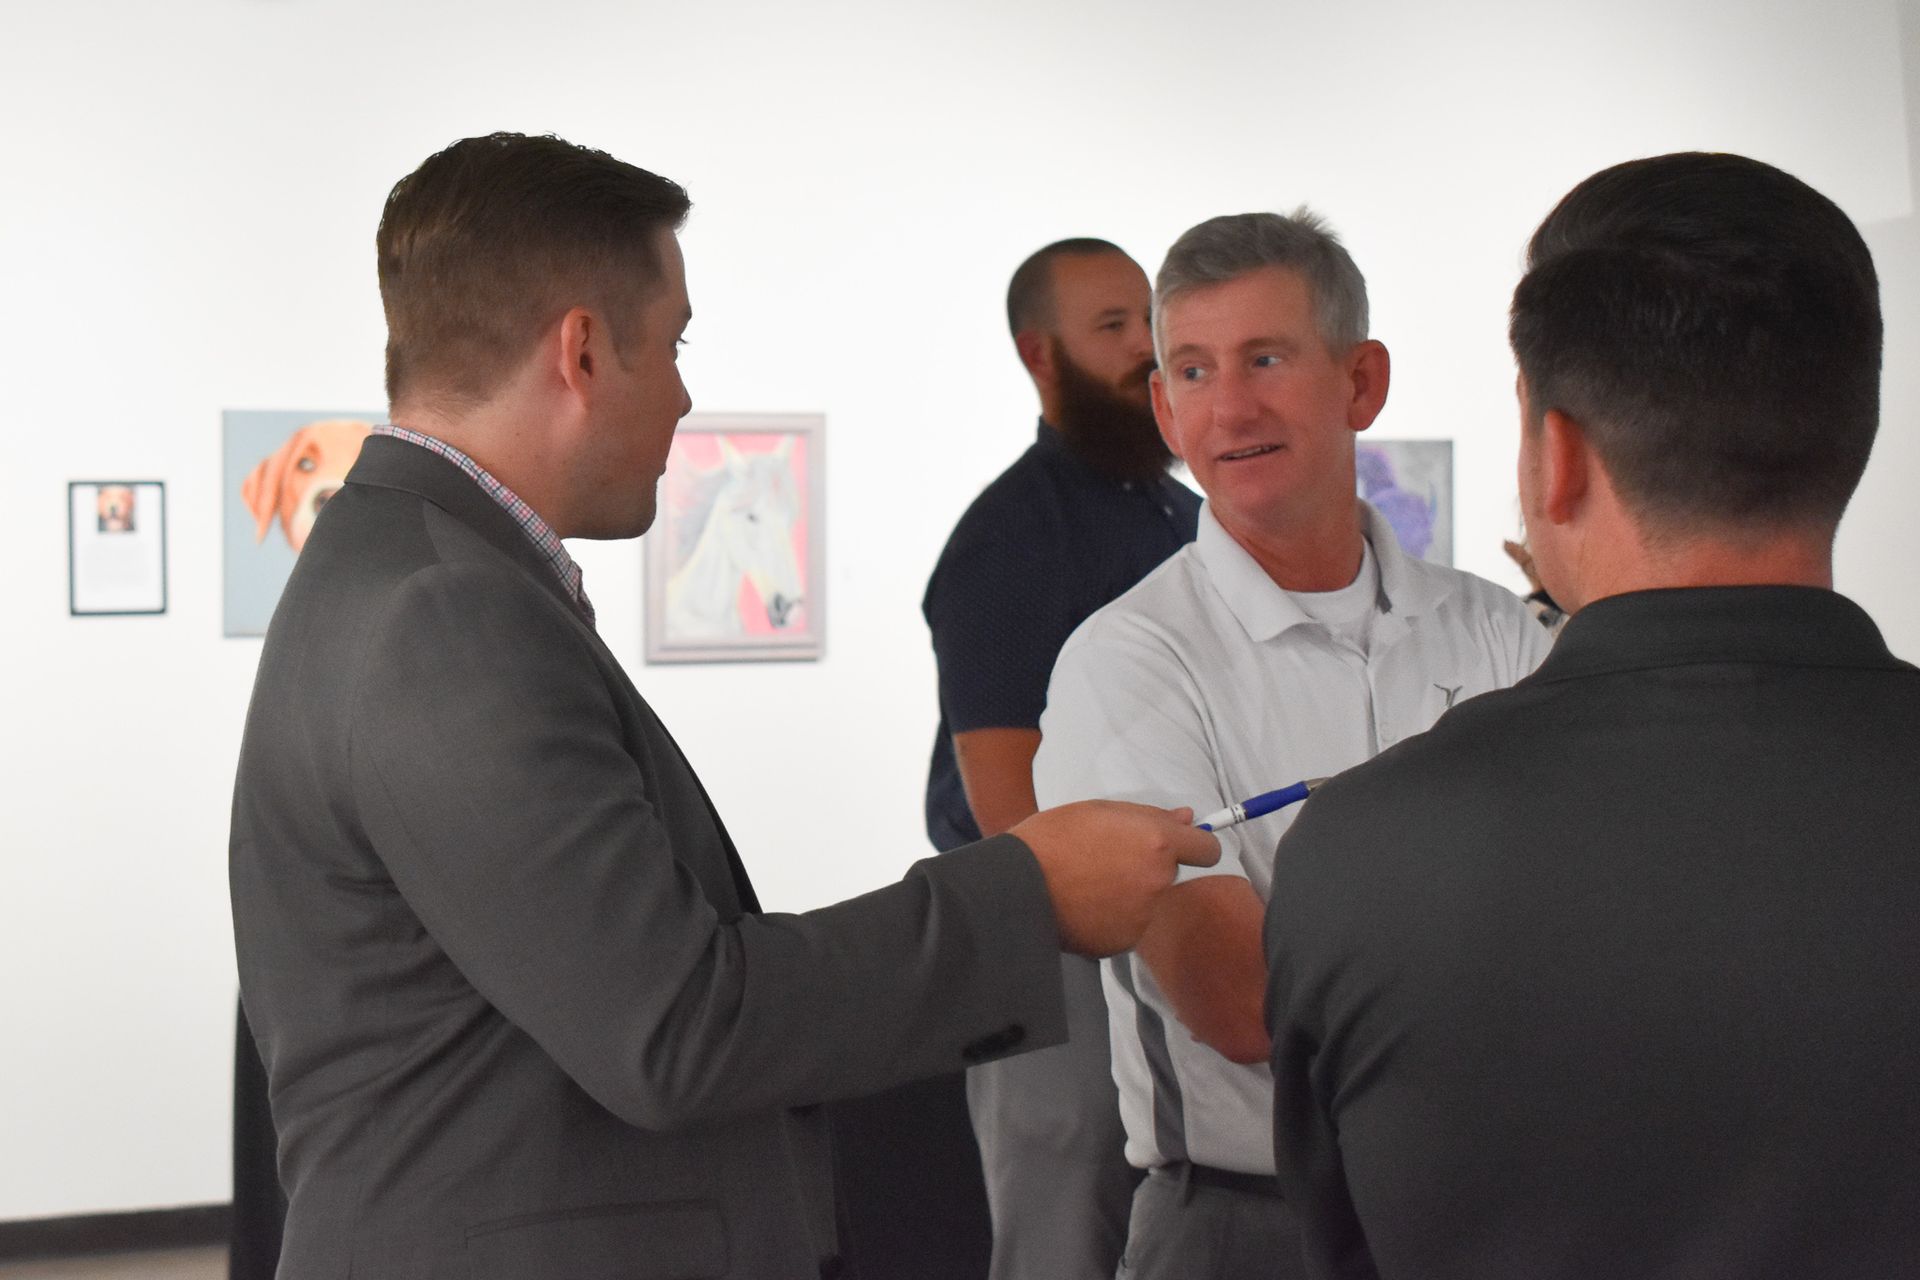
(189, 1227)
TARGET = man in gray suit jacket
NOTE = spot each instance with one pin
(521, 1014)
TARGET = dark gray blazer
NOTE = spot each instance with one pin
(520, 1013)
(1616, 973)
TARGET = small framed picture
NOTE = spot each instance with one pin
(116, 547)
(1410, 482)
(735, 563)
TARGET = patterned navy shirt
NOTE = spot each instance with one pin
(1040, 549)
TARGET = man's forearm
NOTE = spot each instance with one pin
(996, 768)
(1203, 948)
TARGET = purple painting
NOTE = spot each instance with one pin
(1410, 482)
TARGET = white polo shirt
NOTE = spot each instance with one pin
(1207, 684)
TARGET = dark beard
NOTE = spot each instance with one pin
(1111, 431)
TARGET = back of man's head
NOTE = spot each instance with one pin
(1030, 294)
(1237, 244)
(493, 239)
(1713, 326)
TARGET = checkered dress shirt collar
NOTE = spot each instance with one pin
(538, 530)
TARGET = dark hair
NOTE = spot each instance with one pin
(494, 238)
(1030, 292)
(1713, 325)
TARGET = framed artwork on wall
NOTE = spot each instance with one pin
(280, 466)
(116, 547)
(735, 563)
(1410, 482)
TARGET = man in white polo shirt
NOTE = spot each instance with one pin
(1292, 640)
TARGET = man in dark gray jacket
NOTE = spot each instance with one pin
(521, 1014)
(1612, 973)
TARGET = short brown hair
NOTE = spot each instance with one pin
(492, 239)
(1030, 295)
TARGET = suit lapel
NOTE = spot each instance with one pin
(388, 463)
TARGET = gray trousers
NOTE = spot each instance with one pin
(1182, 1230)
(1051, 1147)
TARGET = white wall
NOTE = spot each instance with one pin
(187, 200)
(1874, 557)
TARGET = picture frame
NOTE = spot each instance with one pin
(1410, 483)
(116, 548)
(735, 563)
(278, 467)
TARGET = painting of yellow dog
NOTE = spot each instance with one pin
(282, 467)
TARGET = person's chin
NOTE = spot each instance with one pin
(631, 520)
(1248, 492)
(637, 525)
(614, 526)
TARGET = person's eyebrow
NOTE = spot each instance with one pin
(1188, 350)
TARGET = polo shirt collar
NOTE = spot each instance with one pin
(1265, 610)
(1409, 588)
(1639, 630)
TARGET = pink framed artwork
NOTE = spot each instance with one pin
(735, 561)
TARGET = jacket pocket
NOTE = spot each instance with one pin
(672, 1240)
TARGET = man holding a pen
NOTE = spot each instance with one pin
(1292, 640)
(521, 1011)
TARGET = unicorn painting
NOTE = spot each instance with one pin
(728, 561)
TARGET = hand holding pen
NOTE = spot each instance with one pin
(1261, 805)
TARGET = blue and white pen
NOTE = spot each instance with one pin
(1261, 805)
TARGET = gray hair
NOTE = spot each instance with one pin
(1233, 245)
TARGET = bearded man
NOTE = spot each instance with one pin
(1087, 511)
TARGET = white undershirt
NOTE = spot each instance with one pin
(1348, 613)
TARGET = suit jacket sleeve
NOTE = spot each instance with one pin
(493, 769)
(1306, 1136)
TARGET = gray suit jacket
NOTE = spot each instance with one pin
(520, 1014)
(1612, 973)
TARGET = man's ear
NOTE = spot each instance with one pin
(1370, 369)
(578, 347)
(1566, 467)
(1036, 353)
(1163, 413)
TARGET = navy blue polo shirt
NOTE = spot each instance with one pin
(1044, 546)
